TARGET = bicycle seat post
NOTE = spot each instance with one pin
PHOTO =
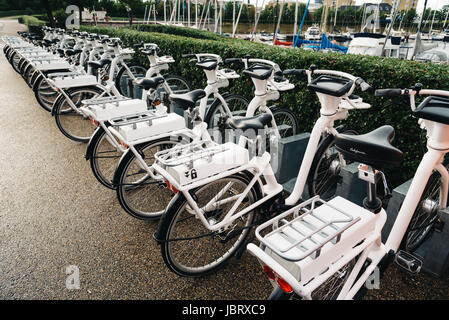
(371, 202)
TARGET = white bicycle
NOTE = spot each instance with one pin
(221, 194)
(329, 251)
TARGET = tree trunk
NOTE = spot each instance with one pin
(49, 13)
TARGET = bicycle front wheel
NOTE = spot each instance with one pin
(285, 121)
(187, 246)
(176, 83)
(324, 174)
(425, 215)
(121, 80)
(73, 124)
(217, 113)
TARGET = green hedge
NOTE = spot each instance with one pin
(11, 13)
(179, 31)
(379, 72)
(31, 21)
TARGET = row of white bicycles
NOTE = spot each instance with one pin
(201, 161)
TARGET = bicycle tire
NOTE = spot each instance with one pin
(121, 73)
(312, 183)
(141, 210)
(170, 218)
(58, 113)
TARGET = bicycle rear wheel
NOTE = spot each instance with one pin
(139, 195)
(73, 124)
(44, 93)
(104, 158)
(187, 246)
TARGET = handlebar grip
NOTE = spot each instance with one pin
(365, 86)
(387, 92)
(295, 72)
(188, 55)
(279, 79)
(231, 60)
(362, 84)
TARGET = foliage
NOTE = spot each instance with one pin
(11, 13)
(60, 17)
(180, 31)
(379, 72)
(31, 21)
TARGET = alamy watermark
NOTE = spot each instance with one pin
(72, 281)
(73, 20)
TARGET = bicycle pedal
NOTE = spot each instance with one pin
(408, 261)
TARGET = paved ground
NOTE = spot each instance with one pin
(53, 213)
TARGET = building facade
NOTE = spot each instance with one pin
(404, 5)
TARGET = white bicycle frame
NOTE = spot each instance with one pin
(332, 108)
(372, 250)
(215, 79)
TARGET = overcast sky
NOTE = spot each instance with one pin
(430, 3)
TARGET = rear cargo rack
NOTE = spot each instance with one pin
(147, 116)
(104, 100)
(293, 227)
(188, 153)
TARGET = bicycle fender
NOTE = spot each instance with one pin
(93, 141)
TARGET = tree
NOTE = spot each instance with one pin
(132, 7)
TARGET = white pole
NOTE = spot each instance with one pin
(145, 14)
(215, 17)
(431, 26)
(336, 10)
(237, 22)
(154, 10)
(196, 14)
(165, 11)
(188, 13)
(178, 3)
(253, 37)
(445, 20)
(279, 23)
(296, 18)
(233, 15)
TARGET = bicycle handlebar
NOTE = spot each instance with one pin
(387, 92)
(231, 60)
(295, 72)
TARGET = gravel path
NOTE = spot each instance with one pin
(53, 213)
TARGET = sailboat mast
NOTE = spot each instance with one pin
(237, 22)
(188, 13)
(393, 19)
(433, 19)
(296, 17)
(445, 20)
(336, 9)
(278, 23)
(324, 21)
(215, 17)
(233, 17)
(422, 16)
(302, 23)
(257, 20)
